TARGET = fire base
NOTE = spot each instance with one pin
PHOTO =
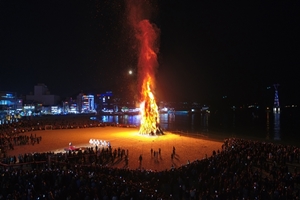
(158, 131)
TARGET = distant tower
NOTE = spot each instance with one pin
(276, 107)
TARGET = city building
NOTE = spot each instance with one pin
(42, 96)
(85, 103)
(69, 106)
(10, 105)
(10, 102)
(105, 102)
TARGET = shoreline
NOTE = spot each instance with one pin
(213, 133)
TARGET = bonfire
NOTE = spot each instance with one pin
(147, 38)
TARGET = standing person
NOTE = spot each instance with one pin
(126, 160)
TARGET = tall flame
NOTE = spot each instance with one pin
(147, 38)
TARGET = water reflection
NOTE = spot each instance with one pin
(193, 122)
(233, 123)
(121, 119)
(167, 120)
(164, 121)
(277, 126)
(205, 119)
(131, 119)
(268, 125)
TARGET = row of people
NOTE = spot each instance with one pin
(243, 169)
(97, 142)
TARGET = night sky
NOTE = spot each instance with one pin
(208, 49)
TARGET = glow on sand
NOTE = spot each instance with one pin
(187, 148)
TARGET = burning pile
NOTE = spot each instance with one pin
(149, 111)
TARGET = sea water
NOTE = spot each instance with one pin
(282, 127)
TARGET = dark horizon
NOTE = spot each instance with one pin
(207, 50)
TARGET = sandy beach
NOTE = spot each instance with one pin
(186, 148)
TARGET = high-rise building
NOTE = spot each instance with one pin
(85, 103)
(42, 96)
(105, 102)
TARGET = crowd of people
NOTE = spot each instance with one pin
(11, 134)
(242, 169)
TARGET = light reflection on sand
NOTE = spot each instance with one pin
(187, 148)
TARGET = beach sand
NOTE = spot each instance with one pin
(186, 148)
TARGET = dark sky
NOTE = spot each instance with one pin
(207, 49)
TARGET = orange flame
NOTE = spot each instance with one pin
(146, 35)
(149, 110)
